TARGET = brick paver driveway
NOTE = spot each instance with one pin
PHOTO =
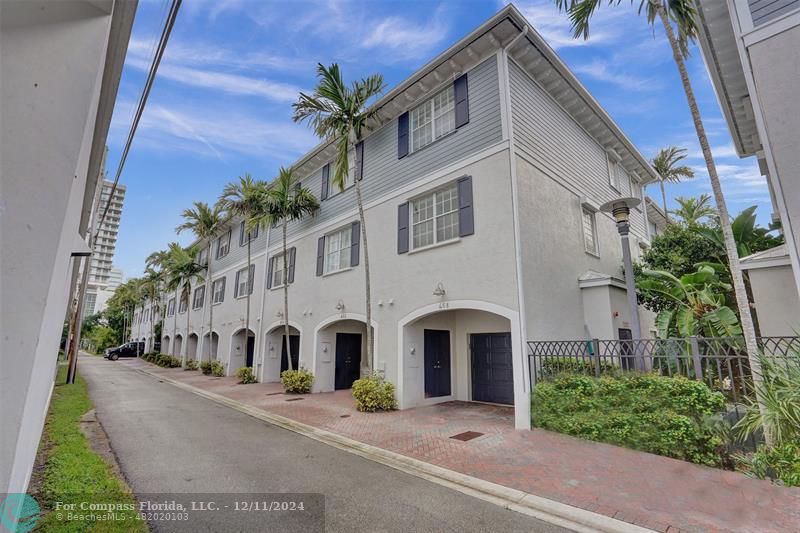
(641, 488)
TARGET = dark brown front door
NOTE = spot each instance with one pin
(348, 360)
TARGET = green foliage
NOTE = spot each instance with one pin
(694, 211)
(781, 463)
(699, 301)
(647, 412)
(373, 393)
(163, 360)
(191, 364)
(217, 369)
(297, 381)
(246, 375)
(206, 367)
(72, 471)
(556, 365)
(750, 237)
(102, 337)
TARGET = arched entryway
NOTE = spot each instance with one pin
(462, 350)
(178, 347)
(191, 347)
(276, 354)
(340, 351)
(210, 347)
(165, 345)
(243, 344)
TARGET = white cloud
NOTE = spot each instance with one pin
(405, 38)
(608, 73)
(554, 25)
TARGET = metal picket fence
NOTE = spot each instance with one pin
(721, 363)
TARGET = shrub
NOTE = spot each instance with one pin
(647, 412)
(297, 381)
(246, 375)
(781, 463)
(217, 369)
(191, 364)
(374, 393)
(205, 367)
(174, 362)
(552, 366)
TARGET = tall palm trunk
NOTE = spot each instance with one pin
(724, 219)
(152, 323)
(368, 363)
(286, 300)
(175, 324)
(210, 296)
(247, 314)
(185, 347)
(664, 199)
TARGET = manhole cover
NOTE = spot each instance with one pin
(295, 399)
(467, 435)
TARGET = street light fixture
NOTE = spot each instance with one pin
(620, 209)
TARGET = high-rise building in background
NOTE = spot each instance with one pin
(103, 277)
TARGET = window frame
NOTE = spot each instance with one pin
(227, 236)
(251, 235)
(180, 305)
(431, 101)
(171, 307)
(277, 284)
(435, 217)
(613, 177)
(202, 291)
(238, 280)
(348, 232)
(350, 180)
(202, 256)
(588, 210)
(214, 290)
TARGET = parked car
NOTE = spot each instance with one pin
(129, 349)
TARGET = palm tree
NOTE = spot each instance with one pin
(158, 261)
(243, 199)
(666, 164)
(206, 223)
(692, 210)
(285, 200)
(340, 113)
(151, 285)
(182, 270)
(684, 14)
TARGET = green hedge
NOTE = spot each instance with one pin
(647, 412)
(780, 463)
(246, 375)
(552, 366)
(297, 381)
(373, 393)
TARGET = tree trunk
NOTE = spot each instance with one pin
(286, 299)
(174, 323)
(664, 198)
(247, 314)
(724, 219)
(368, 363)
(210, 296)
(185, 347)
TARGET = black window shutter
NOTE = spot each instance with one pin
(402, 135)
(291, 264)
(466, 221)
(236, 285)
(251, 274)
(320, 255)
(355, 243)
(223, 289)
(402, 228)
(326, 181)
(269, 272)
(461, 93)
(360, 161)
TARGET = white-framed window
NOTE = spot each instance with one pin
(202, 256)
(244, 282)
(349, 179)
(277, 271)
(184, 305)
(223, 244)
(337, 250)
(218, 290)
(171, 307)
(433, 119)
(199, 296)
(589, 225)
(613, 175)
(147, 314)
(247, 236)
(434, 217)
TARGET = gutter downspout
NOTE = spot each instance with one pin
(522, 418)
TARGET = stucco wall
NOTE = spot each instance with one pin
(776, 301)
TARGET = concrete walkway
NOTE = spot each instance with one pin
(639, 488)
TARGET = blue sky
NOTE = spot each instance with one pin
(221, 103)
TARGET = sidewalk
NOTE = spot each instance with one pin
(643, 489)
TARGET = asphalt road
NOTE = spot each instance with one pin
(174, 445)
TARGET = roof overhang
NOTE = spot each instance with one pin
(592, 278)
(721, 54)
(529, 49)
(654, 213)
(774, 257)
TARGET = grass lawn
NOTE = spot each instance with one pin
(71, 472)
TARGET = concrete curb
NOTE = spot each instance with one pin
(553, 512)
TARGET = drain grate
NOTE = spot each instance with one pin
(273, 393)
(295, 399)
(344, 416)
(467, 435)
